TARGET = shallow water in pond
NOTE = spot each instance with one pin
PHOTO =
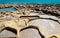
(48, 26)
(7, 9)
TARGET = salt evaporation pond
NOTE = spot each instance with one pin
(7, 9)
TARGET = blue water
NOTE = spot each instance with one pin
(7, 9)
(30, 1)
